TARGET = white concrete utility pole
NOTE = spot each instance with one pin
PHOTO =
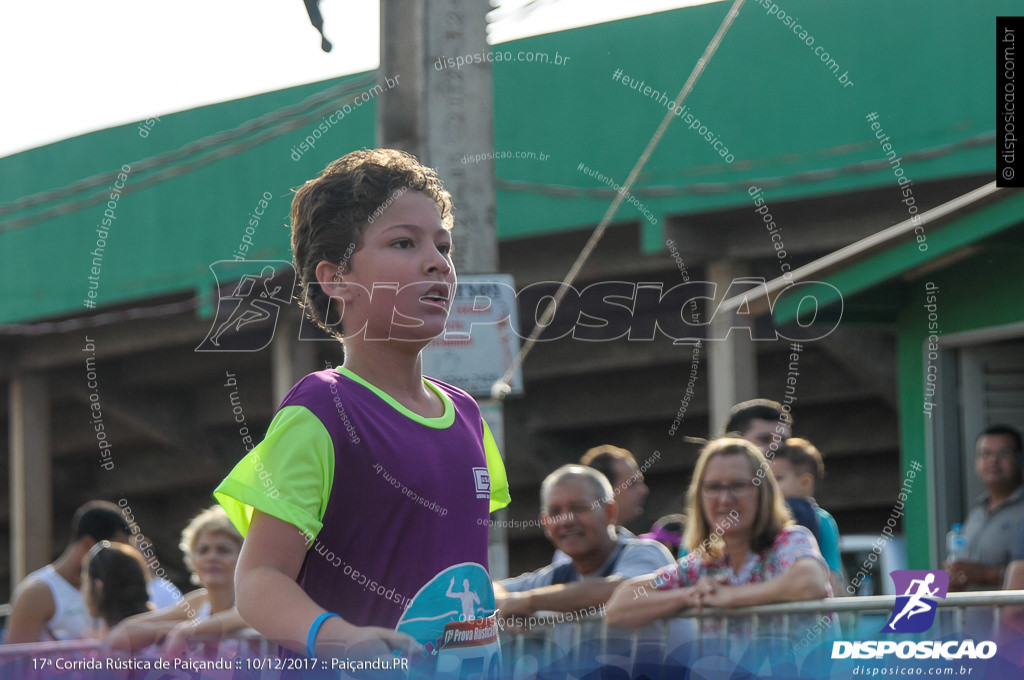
(441, 113)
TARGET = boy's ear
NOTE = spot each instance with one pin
(331, 278)
(806, 480)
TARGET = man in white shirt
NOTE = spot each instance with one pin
(48, 604)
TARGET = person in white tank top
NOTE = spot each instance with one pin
(70, 620)
(47, 604)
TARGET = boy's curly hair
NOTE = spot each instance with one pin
(331, 212)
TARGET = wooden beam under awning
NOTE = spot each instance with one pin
(762, 301)
(31, 469)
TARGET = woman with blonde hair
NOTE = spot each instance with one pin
(211, 545)
(744, 548)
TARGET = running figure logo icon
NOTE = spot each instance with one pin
(250, 296)
(914, 611)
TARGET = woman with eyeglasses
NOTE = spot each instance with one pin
(744, 548)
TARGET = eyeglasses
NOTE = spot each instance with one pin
(735, 489)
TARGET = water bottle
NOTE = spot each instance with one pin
(956, 543)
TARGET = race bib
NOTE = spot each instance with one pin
(453, 617)
(470, 649)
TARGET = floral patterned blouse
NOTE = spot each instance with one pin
(791, 544)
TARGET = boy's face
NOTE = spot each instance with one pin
(791, 481)
(406, 255)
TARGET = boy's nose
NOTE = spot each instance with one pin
(438, 262)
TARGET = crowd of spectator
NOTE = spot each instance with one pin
(752, 533)
(102, 588)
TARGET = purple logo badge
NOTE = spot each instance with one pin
(914, 611)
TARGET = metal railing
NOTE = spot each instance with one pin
(795, 628)
(798, 627)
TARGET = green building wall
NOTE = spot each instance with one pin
(164, 238)
(792, 126)
(979, 292)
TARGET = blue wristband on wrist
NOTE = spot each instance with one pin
(314, 630)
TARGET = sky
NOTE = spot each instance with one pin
(69, 67)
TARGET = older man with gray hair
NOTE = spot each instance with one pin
(579, 515)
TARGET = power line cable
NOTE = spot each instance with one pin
(716, 188)
(268, 120)
(501, 388)
(98, 320)
(175, 171)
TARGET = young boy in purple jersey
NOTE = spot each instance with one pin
(369, 496)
